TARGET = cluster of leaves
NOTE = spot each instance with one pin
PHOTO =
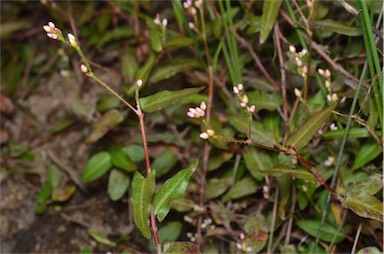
(243, 182)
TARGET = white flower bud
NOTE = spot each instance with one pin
(252, 108)
(292, 49)
(211, 133)
(193, 11)
(83, 68)
(52, 36)
(235, 90)
(165, 22)
(72, 40)
(327, 73)
(203, 106)
(304, 52)
(191, 25)
(190, 114)
(51, 24)
(47, 29)
(204, 135)
(245, 99)
(139, 82)
(297, 93)
(334, 97)
(298, 62)
(240, 87)
(321, 72)
(333, 126)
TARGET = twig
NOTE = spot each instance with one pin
(283, 78)
(257, 60)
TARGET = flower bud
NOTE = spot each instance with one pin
(252, 108)
(321, 72)
(165, 22)
(139, 82)
(203, 106)
(47, 29)
(235, 90)
(327, 73)
(334, 97)
(204, 135)
(72, 40)
(245, 99)
(83, 68)
(292, 49)
(240, 87)
(211, 133)
(297, 93)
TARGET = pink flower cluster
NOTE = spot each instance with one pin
(197, 112)
(52, 31)
(238, 90)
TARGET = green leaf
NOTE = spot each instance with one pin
(121, 159)
(165, 72)
(179, 42)
(216, 187)
(172, 188)
(218, 159)
(270, 12)
(168, 232)
(164, 162)
(258, 132)
(242, 188)
(338, 27)
(369, 250)
(135, 152)
(372, 185)
(327, 232)
(118, 184)
(155, 37)
(304, 134)
(367, 152)
(101, 238)
(263, 100)
(114, 34)
(280, 170)
(256, 161)
(364, 204)
(162, 99)
(107, 122)
(142, 193)
(97, 166)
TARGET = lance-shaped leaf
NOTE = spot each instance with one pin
(241, 189)
(327, 233)
(270, 11)
(364, 204)
(142, 192)
(367, 152)
(172, 188)
(304, 134)
(97, 166)
(178, 65)
(338, 27)
(162, 99)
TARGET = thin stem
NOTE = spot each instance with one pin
(283, 78)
